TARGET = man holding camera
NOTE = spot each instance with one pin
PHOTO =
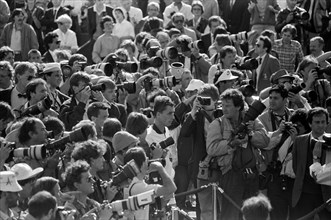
(233, 144)
(138, 184)
(307, 194)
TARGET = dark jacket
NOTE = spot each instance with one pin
(71, 113)
(200, 28)
(92, 24)
(48, 20)
(206, 39)
(5, 95)
(47, 58)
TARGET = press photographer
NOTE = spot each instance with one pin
(138, 184)
(233, 139)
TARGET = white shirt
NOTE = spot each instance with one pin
(186, 10)
(16, 102)
(135, 15)
(123, 29)
(15, 40)
(68, 39)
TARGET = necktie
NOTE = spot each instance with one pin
(128, 16)
(55, 13)
(260, 61)
(231, 3)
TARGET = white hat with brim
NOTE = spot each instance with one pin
(195, 84)
(23, 171)
(8, 182)
(52, 67)
(226, 76)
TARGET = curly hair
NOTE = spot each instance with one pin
(73, 173)
(89, 150)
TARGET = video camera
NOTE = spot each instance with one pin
(254, 110)
(247, 88)
(321, 71)
(166, 82)
(155, 62)
(130, 87)
(248, 64)
(39, 152)
(37, 108)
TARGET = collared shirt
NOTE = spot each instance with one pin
(123, 29)
(17, 102)
(186, 10)
(104, 45)
(288, 54)
(15, 41)
(68, 39)
(4, 216)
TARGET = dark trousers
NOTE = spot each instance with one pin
(307, 203)
(281, 199)
(182, 180)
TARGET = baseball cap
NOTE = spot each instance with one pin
(282, 73)
(195, 84)
(23, 171)
(8, 182)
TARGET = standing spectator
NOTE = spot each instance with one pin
(51, 43)
(307, 194)
(153, 11)
(198, 23)
(66, 36)
(20, 37)
(176, 6)
(123, 28)
(106, 43)
(51, 14)
(133, 14)
(316, 46)
(230, 12)
(289, 50)
(4, 14)
(268, 64)
(33, 15)
(178, 20)
(211, 8)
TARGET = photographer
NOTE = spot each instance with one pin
(235, 156)
(42, 206)
(138, 184)
(196, 62)
(196, 126)
(317, 88)
(98, 113)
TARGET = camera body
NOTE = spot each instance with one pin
(321, 71)
(98, 87)
(166, 82)
(130, 87)
(296, 89)
(204, 100)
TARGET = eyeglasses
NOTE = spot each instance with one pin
(90, 179)
(178, 21)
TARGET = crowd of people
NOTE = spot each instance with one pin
(112, 109)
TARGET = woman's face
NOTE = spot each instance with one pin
(119, 15)
(108, 26)
(196, 10)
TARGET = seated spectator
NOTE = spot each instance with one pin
(6, 75)
(66, 36)
(176, 6)
(34, 56)
(107, 43)
(123, 29)
(256, 208)
(198, 23)
(7, 54)
(51, 43)
(133, 14)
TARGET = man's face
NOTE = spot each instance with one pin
(178, 22)
(77, 66)
(186, 79)
(152, 11)
(35, 58)
(287, 37)
(39, 135)
(18, 19)
(78, 89)
(277, 102)
(167, 116)
(229, 59)
(315, 48)
(224, 85)
(55, 44)
(40, 94)
(4, 77)
(163, 41)
(54, 79)
(213, 26)
(318, 124)
(86, 183)
(110, 94)
(12, 199)
(26, 77)
(56, 3)
(126, 4)
(10, 57)
(103, 115)
(259, 48)
(229, 110)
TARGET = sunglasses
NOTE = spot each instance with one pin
(57, 42)
(178, 21)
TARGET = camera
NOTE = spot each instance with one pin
(241, 36)
(247, 88)
(108, 68)
(198, 45)
(155, 62)
(37, 108)
(98, 87)
(289, 125)
(296, 89)
(248, 64)
(204, 100)
(129, 171)
(164, 144)
(168, 82)
(130, 87)
(321, 71)
(301, 15)
(168, 53)
(161, 160)
(147, 111)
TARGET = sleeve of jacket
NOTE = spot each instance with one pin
(47, 19)
(260, 138)
(189, 126)
(204, 64)
(71, 116)
(215, 143)
(275, 65)
(34, 39)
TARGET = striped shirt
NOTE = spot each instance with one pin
(289, 55)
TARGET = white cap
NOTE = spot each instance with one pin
(226, 76)
(23, 171)
(195, 84)
(52, 67)
(8, 182)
